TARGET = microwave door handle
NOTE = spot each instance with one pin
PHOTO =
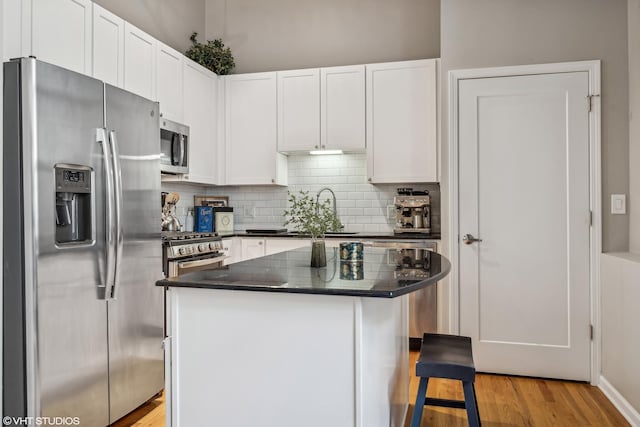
(110, 233)
(174, 140)
(183, 150)
(117, 181)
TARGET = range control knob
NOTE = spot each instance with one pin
(202, 247)
(212, 245)
(182, 251)
(190, 249)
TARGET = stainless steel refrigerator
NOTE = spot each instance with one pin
(83, 319)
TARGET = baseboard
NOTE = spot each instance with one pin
(625, 408)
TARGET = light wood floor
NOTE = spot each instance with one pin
(502, 400)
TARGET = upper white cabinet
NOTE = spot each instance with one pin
(250, 131)
(298, 110)
(342, 105)
(200, 114)
(402, 122)
(321, 109)
(108, 46)
(59, 32)
(169, 88)
(139, 62)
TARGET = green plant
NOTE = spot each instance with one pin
(212, 55)
(309, 217)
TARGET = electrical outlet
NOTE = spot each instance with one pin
(619, 204)
(249, 212)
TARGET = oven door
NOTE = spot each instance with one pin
(178, 267)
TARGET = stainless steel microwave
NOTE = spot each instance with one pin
(174, 147)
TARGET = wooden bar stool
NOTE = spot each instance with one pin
(446, 356)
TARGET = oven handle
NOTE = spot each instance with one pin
(201, 262)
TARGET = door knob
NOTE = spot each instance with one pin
(469, 239)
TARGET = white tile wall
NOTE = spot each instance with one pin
(361, 206)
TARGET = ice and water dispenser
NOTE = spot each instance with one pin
(73, 204)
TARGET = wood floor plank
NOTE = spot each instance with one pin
(502, 400)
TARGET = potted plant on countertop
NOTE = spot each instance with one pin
(312, 218)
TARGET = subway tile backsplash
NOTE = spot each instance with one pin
(361, 206)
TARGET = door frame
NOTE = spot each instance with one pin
(595, 179)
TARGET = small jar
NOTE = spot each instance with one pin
(351, 251)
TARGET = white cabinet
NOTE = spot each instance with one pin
(342, 108)
(298, 110)
(200, 114)
(250, 130)
(402, 122)
(108, 47)
(169, 86)
(321, 109)
(252, 247)
(232, 249)
(139, 62)
(59, 32)
(274, 246)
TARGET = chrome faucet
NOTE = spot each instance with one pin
(335, 209)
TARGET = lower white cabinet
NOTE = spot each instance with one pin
(231, 248)
(273, 246)
(252, 247)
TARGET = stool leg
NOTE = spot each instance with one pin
(473, 415)
(419, 406)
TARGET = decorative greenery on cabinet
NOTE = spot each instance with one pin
(212, 55)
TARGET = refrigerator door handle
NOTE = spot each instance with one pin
(110, 233)
(117, 180)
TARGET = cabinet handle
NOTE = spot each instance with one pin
(369, 179)
(324, 146)
(273, 181)
(316, 146)
(259, 243)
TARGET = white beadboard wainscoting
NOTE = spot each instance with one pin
(620, 325)
(362, 206)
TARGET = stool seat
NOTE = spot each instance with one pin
(446, 356)
(451, 357)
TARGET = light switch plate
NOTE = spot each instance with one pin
(249, 212)
(619, 204)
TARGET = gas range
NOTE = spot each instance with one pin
(182, 245)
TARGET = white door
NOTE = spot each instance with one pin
(108, 46)
(299, 110)
(524, 190)
(169, 86)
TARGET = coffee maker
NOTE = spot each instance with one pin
(413, 211)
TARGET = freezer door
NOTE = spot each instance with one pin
(136, 371)
(61, 112)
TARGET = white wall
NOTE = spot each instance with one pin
(633, 205)
(621, 325)
(289, 34)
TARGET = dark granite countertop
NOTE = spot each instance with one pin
(363, 235)
(376, 276)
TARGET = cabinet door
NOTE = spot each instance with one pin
(342, 101)
(274, 246)
(61, 33)
(252, 248)
(298, 110)
(169, 88)
(231, 250)
(108, 47)
(402, 122)
(139, 62)
(250, 130)
(200, 114)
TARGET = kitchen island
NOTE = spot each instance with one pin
(273, 342)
